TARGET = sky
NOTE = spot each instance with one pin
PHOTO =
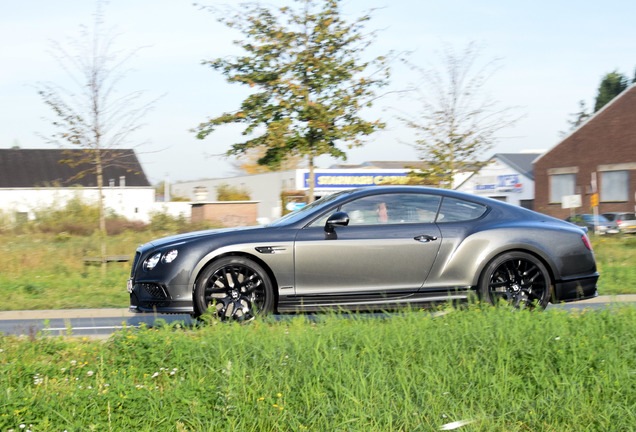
(551, 54)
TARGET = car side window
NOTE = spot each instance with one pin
(392, 208)
(457, 210)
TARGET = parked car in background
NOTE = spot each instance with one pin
(369, 248)
(596, 224)
(626, 221)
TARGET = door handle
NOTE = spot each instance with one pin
(425, 238)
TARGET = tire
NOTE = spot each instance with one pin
(233, 289)
(518, 278)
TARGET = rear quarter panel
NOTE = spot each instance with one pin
(464, 253)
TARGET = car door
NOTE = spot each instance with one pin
(389, 245)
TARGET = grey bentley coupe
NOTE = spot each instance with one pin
(368, 249)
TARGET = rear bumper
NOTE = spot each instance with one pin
(574, 289)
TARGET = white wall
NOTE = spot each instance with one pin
(133, 203)
(174, 208)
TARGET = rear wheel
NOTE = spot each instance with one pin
(518, 278)
(234, 289)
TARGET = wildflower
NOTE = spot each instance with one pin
(155, 375)
(557, 338)
(90, 373)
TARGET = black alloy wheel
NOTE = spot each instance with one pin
(233, 289)
(518, 278)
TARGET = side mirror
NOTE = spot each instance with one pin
(337, 219)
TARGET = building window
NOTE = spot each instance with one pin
(614, 186)
(561, 185)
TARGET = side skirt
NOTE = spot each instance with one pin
(371, 301)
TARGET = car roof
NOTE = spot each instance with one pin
(356, 193)
(619, 213)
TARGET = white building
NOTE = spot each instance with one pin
(32, 180)
(508, 177)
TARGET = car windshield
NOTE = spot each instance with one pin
(299, 214)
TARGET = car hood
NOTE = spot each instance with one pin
(196, 235)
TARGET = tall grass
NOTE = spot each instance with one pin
(493, 368)
(616, 261)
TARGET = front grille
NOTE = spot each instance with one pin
(156, 291)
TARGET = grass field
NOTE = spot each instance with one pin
(46, 271)
(616, 261)
(494, 369)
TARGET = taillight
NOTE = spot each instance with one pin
(618, 221)
(586, 242)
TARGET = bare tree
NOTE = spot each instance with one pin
(93, 115)
(457, 120)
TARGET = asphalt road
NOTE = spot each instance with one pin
(101, 323)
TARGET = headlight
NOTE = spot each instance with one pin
(170, 256)
(152, 261)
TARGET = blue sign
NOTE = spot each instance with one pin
(349, 180)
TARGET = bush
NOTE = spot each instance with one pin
(226, 192)
(115, 226)
(168, 224)
(162, 221)
(76, 217)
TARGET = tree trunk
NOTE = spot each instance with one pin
(311, 180)
(102, 216)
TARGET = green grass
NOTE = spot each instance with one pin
(46, 271)
(616, 261)
(504, 370)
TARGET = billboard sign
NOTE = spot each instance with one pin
(501, 183)
(345, 180)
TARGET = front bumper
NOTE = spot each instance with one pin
(154, 297)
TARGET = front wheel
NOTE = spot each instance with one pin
(233, 289)
(518, 278)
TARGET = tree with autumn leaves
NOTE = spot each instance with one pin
(309, 78)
